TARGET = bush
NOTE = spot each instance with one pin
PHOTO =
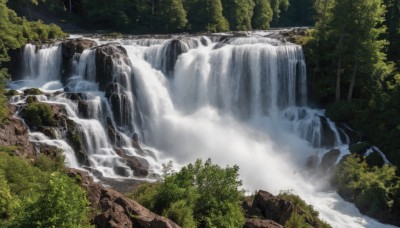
(304, 215)
(38, 114)
(200, 195)
(39, 196)
(372, 189)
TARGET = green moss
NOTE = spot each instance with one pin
(31, 99)
(11, 92)
(33, 91)
(304, 215)
(38, 114)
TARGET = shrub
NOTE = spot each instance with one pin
(304, 215)
(372, 189)
(201, 194)
(38, 114)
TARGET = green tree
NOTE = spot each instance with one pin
(173, 15)
(200, 195)
(206, 15)
(239, 13)
(262, 14)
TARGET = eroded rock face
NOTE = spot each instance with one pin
(70, 47)
(13, 132)
(116, 210)
(261, 223)
(273, 207)
(106, 57)
(329, 159)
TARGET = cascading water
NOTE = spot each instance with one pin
(239, 101)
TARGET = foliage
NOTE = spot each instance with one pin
(32, 197)
(304, 215)
(200, 195)
(38, 114)
(372, 189)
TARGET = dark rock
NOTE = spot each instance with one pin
(33, 91)
(359, 148)
(48, 131)
(249, 210)
(328, 136)
(106, 57)
(375, 159)
(70, 47)
(112, 88)
(84, 109)
(139, 165)
(116, 210)
(329, 159)
(121, 171)
(260, 223)
(31, 99)
(312, 162)
(13, 132)
(272, 207)
(175, 48)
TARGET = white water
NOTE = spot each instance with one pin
(241, 103)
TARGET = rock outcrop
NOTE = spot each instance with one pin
(13, 132)
(329, 159)
(116, 210)
(273, 207)
(261, 223)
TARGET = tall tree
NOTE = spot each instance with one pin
(173, 15)
(206, 15)
(262, 14)
(355, 27)
(239, 13)
(393, 30)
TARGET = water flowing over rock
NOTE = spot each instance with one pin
(128, 106)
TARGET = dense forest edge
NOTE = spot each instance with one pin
(353, 60)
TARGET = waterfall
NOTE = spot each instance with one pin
(235, 100)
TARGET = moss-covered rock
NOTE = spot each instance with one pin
(38, 114)
(31, 99)
(11, 92)
(33, 91)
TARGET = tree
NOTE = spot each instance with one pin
(173, 15)
(200, 195)
(354, 27)
(262, 14)
(239, 13)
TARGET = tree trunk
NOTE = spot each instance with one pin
(353, 81)
(339, 67)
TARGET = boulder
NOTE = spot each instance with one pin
(70, 47)
(139, 165)
(260, 223)
(175, 48)
(312, 162)
(272, 207)
(328, 136)
(106, 57)
(84, 109)
(116, 210)
(329, 159)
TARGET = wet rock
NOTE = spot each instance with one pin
(106, 57)
(70, 47)
(121, 171)
(375, 159)
(328, 136)
(139, 165)
(116, 210)
(13, 132)
(260, 223)
(360, 148)
(272, 207)
(84, 109)
(48, 131)
(329, 159)
(312, 162)
(33, 91)
(135, 141)
(31, 99)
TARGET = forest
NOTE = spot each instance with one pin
(352, 51)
